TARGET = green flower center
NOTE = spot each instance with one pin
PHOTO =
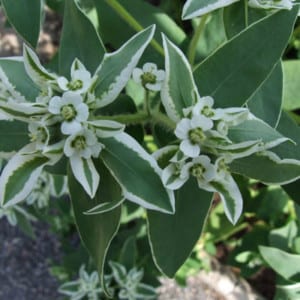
(148, 78)
(39, 136)
(75, 85)
(196, 136)
(68, 112)
(79, 143)
(207, 112)
(197, 170)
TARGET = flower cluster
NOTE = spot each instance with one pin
(205, 151)
(61, 120)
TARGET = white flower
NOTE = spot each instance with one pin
(192, 133)
(38, 134)
(72, 111)
(149, 76)
(82, 144)
(271, 4)
(81, 79)
(201, 168)
(172, 177)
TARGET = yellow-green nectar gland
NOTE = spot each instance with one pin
(68, 112)
(148, 78)
(75, 85)
(197, 171)
(196, 136)
(79, 143)
(39, 136)
(207, 112)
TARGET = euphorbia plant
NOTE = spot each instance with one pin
(208, 122)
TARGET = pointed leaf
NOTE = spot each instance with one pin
(96, 232)
(137, 172)
(232, 79)
(116, 68)
(86, 174)
(15, 71)
(284, 263)
(178, 91)
(25, 16)
(79, 40)
(196, 8)
(20, 175)
(104, 207)
(173, 237)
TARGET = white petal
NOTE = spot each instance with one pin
(62, 83)
(149, 68)
(68, 150)
(55, 105)
(169, 180)
(183, 128)
(201, 122)
(154, 86)
(160, 75)
(136, 75)
(70, 127)
(82, 112)
(72, 98)
(189, 149)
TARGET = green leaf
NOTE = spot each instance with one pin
(25, 16)
(15, 71)
(104, 207)
(20, 174)
(291, 92)
(285, 264)
(79, 40)
(291, 291)
(235, 19)
(116, 67)
(232, 79)
(172, 237)
(13, 135)
(96, 232)
(196, 8)
(266, 102)
(179, 90)
(137, 172)
(128, 253)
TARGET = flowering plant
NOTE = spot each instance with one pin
(207, 121)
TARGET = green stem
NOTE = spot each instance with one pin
(127, 17)
(128, 119)
(162, 119)
(246, 13)
(147, 102)
(195, 39)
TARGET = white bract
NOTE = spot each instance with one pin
(149, 76)
(71, 108)
(271, 4)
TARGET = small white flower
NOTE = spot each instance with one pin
(192, 133)
(172, 177)
(81, 79)
(149, 76)
(271, 4)
(72, 111)
(201, 168)
(82, 144)
(38, 134)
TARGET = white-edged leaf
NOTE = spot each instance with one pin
(178, 90)
(20, 175)
(86, 174)
(231, 197)
(116, 67)
(196, 8)
(34, 68)
(107, 128)
(137, 172)
(104, 207)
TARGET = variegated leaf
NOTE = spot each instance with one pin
(107, 128)
(116, 68)
(137, 172)
(86, 174)
(20, 175)
(196, 8)
(104, 207)
(34, 68)
(178, 92)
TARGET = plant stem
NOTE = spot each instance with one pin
(246, 13)
(127, 17)
(163, 120)
(195, 39)
(147, 103)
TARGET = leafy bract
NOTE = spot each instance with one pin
(96, 231)
(116, 67)
(179, 90)
(25, 16)
(196, 8)
(172, 237)
(232, 79)
(137, 172)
